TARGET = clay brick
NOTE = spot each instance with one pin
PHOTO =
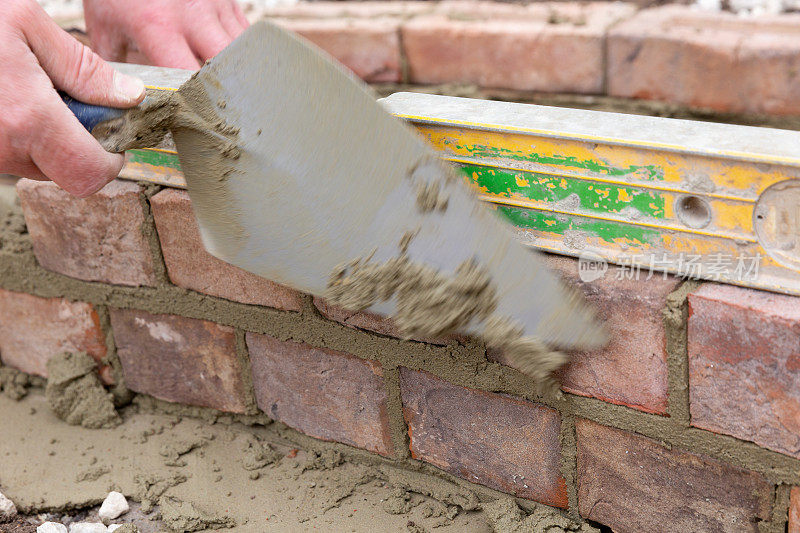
(712, 60)
(370, 48)
(499, 441)
(326, 394)
(632, 484)
(794, 511)
(190, 266)
(179, 359)
(550, 46)
(631, 369)
(98, 238)
(34, 329)
(744, 365)
(344, 10)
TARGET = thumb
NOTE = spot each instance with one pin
(78, 71)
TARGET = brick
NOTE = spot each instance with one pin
(502, 442)
(33, 329)
(711, 60)
(794, 511)
(631, 369)
(402, 9)
(549, 46)
(190, 266)
(370, 48)
(632, 483)
(324, 393)
(98, 238)
(179, 359)
(744, 365)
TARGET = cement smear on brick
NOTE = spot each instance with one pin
(75, 393)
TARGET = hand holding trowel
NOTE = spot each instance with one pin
(296, 174)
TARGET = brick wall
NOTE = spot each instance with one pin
(688, 418)
(676, 53)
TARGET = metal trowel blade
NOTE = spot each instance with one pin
(321, 174)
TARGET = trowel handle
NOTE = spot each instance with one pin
(90, 115)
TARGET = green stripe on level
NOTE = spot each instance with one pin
(155, 158)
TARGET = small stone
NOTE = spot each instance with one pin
(51, 527)
(114, 506)
(7, 509)
(88, 527)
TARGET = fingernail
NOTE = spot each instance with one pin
(128, 87)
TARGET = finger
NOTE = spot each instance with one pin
(67, 154)
(165, 48)
(231, 24)
(75, 69)
(237, 10)
(206, 36)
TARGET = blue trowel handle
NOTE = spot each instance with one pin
(90, 115)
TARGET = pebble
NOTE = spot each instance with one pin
(114, 527)
(51, 527)
(114, 506)
(7, 509)
(88, 527)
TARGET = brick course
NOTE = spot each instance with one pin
(190, 266)
(324, 393)
(98, 238)
(744, 365)
(179, 359)
(34, 329)
(499, 441)
(632, 484)
(551, 47)
(712, 60)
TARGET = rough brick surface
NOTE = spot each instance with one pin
(179, 359)
(326, 394)
(552, 47)
(632, 368)
(632, 484)
(712, 60)
(34, 329)
(744, 365)
(505, 443)
(95, 239)
(191, 267)
(370, 48)
(794, 511)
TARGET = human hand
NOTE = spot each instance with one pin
(40, 138)
(168, 33)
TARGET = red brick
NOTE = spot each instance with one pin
(744, 365)
(326, 394)
(370, 48)
(631, 369)
(34, 329)
(710, 60)
(345, 10)
(179, 359)
(191, 267)
(794, 511)
(552, 47)
(98, 238)
(632, 484)
(505, 443)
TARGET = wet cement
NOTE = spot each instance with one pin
(76, 395)
(199, 475)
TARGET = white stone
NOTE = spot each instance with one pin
(51, 527)
(114, 506)
(114, 527)
(7, 508)
(88, 527)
